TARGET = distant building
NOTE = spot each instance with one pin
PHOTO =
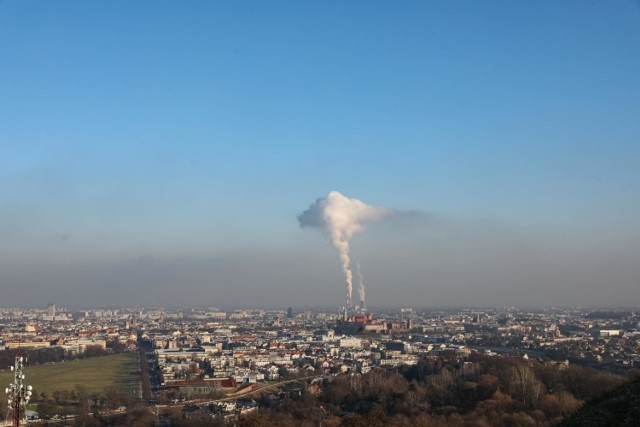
(350, 342)
(365, 324)
(289, 313)
(205, 387)
(51, 310)
(610, 332)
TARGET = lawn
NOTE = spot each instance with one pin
(95, 374)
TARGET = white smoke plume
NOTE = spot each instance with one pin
(342, 217)
(361, 292)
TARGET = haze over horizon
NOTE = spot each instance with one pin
(159, 153)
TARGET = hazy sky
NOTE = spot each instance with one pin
(159, 152)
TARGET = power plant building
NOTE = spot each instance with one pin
(365, 324)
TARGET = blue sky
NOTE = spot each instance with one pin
(199, 129)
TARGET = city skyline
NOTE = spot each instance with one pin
(160, 153)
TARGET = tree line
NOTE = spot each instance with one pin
(41, 356)
(479, 391)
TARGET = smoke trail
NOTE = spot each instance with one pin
(361, 292)
(341, 217)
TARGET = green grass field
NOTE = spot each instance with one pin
(95, 374)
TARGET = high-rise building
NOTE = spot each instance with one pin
(289, 313)
(51, 310)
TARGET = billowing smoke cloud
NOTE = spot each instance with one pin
(342, 217)
(361, 292)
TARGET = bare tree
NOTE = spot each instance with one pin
(524, 385)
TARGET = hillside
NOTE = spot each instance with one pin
(618, 407)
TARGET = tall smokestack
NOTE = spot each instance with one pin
(342, 217)
(361, 292)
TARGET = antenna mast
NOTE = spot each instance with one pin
(18, 394)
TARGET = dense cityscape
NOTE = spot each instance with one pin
(228, 364)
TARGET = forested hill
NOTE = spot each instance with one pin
(618, 407)
(487, 391)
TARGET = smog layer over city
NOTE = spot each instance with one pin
(319, 213)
